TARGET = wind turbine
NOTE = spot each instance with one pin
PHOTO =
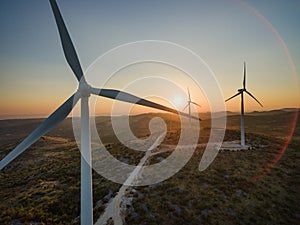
(241, 92)
(84, 91)
(189, 102)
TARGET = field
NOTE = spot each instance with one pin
(258, 186)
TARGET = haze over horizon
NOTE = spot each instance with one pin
(35, 78)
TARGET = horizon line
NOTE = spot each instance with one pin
(43, 116)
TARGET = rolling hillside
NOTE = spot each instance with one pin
(42, 186)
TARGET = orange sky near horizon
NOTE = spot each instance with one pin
(44, 105)
(39, 98)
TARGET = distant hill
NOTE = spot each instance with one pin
(276, 123)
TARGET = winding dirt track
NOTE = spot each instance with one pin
(113, 209)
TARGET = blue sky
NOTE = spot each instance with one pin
(35, 78)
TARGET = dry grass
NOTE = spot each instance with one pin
(43, 184)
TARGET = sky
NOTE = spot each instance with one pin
(35, 78)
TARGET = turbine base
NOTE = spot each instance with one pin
(234, 146)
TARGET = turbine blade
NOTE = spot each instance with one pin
(254, 98)
(52, 121)
(244, 82)
(189, 94)
(126, 97)
(196, 104)
(68, 47)
(232, 96)
(185, 106)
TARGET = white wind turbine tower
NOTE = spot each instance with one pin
(241, 92)
(83, 93)
(189, 102)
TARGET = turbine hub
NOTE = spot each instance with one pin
(241, 90)
(84, 89)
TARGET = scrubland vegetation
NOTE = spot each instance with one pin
(258, 186)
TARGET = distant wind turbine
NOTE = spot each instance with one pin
(241, 92)
(189, 102)
(84, 91)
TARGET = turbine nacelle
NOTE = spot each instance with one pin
(84, 89)
(241, 90)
